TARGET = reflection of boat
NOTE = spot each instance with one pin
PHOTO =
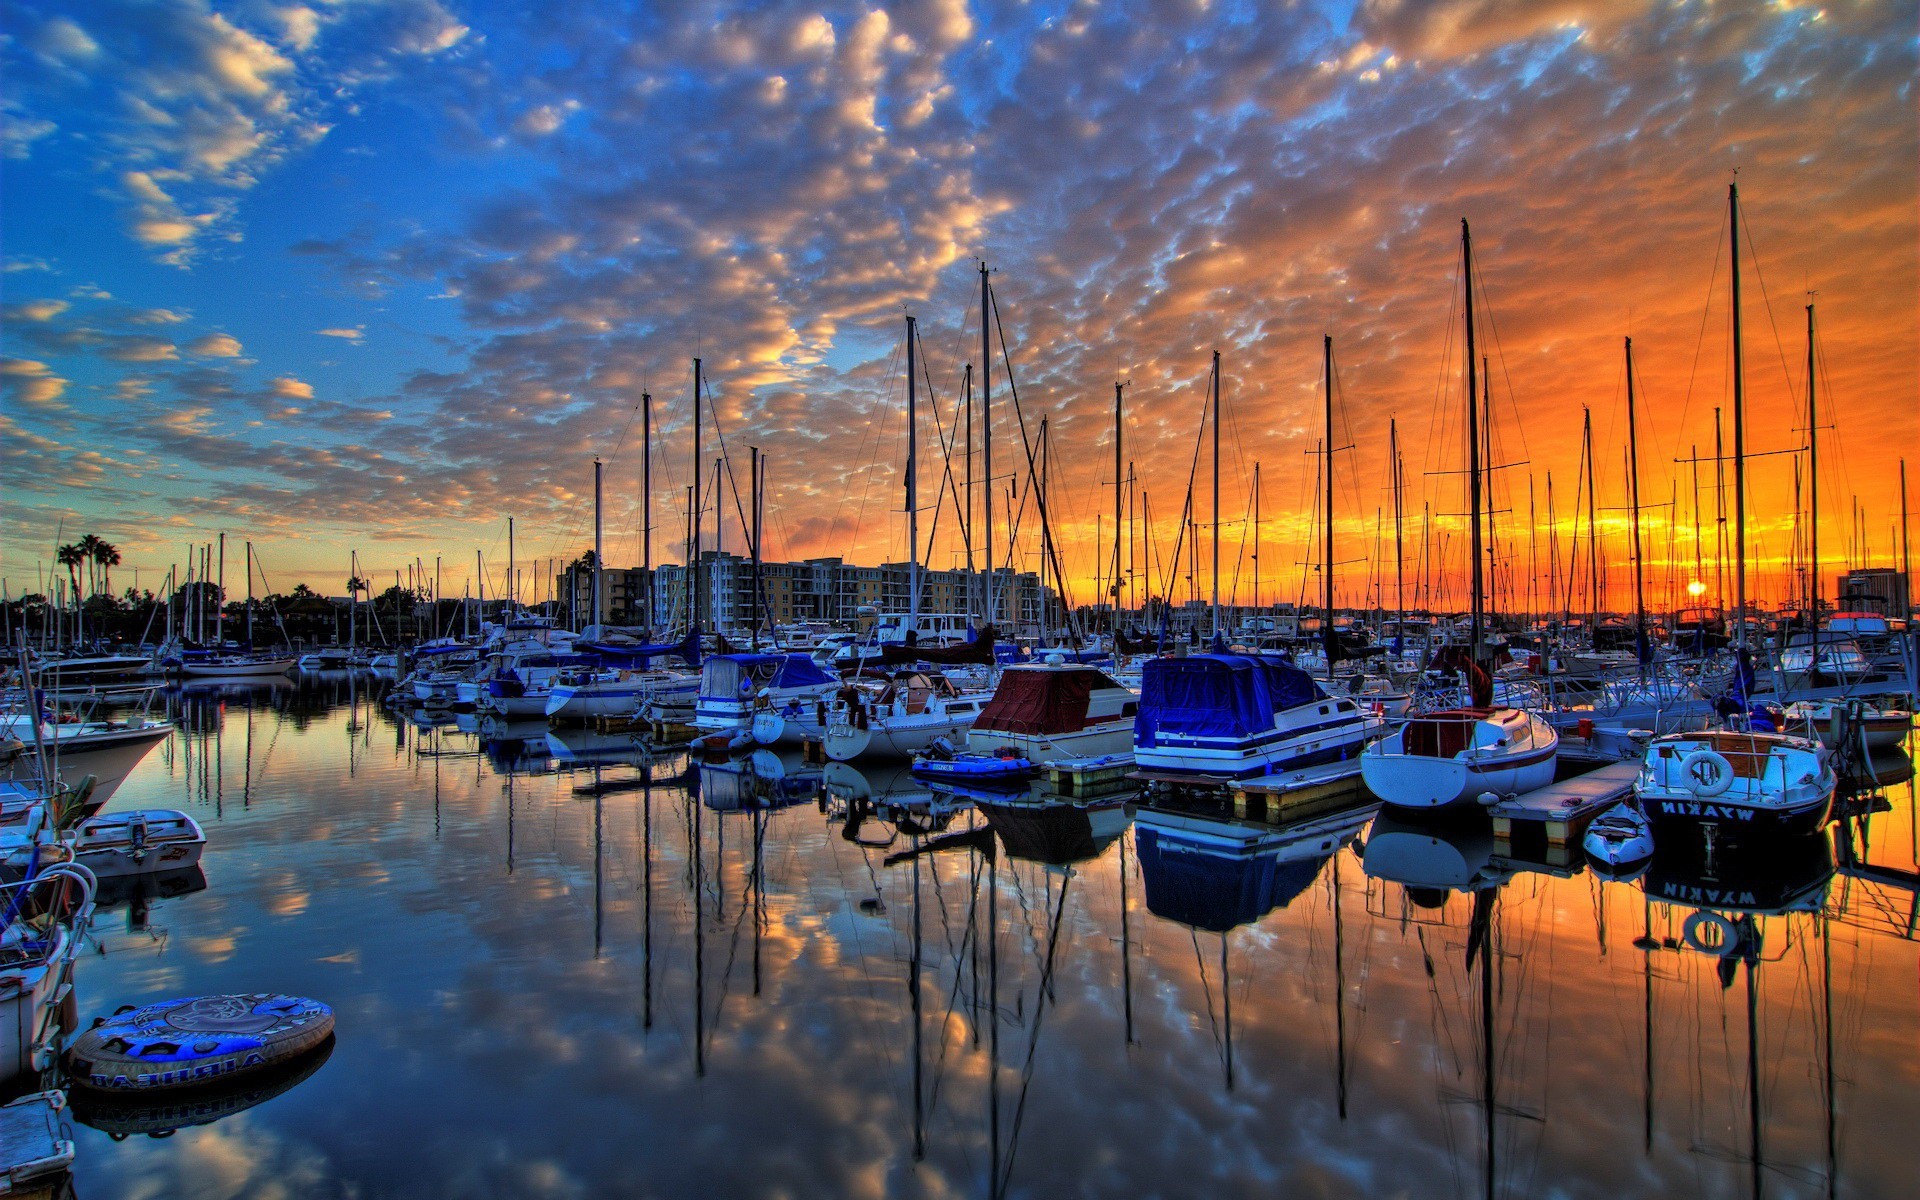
(573, 744)
(1771, 877)
(1216, 872)
(160, 1114)
(137, 891)
(1734, 785)
(756, 781)
(1056, 829)
(1432, 856)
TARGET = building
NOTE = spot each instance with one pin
(1873, 589)
(828, 590)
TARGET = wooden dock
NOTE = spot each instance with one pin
(1563, 807)
(35, 1142)
(1080, 777)
(1293, 795)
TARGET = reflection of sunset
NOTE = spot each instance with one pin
(505, 976)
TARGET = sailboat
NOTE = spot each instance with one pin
(1445, 757)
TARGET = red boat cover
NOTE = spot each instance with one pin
(1039, 702)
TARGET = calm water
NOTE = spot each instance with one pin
(672, 989)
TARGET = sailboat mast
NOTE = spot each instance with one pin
(913, 505)
(599, 551)
(1813, 482)
(646, 507)
(1327, 636)
(1478, 611)
(1739, 433)
(1046, 531)
(1113, 609)
(1593, 534)
(1633, 481)
(1256, 537)
(1399, 531)
(1216, 491)
(693, 514)
(753, 507)
(972, 579)
(986, 427)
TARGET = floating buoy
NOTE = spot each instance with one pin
(159, 1114)
(196, 1040)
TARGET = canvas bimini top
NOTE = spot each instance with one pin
(733, 675)
(1218, 695)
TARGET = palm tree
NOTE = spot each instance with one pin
(108, 556)
(71, 556)
(89, 547)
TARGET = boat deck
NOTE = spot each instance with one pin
(1564, 805)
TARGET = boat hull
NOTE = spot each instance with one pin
(1107, 737)
(1418, 781)
(1730, 820)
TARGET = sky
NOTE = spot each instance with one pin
(375, 276)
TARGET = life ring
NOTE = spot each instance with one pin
(1707, 772)
(1724, 940)
(196, 1040)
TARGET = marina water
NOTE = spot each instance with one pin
(563, 969)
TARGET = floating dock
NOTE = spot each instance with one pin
(1562, 808)
(35, 1141)
(1293, 795)
(1100, 776)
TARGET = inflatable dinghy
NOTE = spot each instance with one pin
(978, 770)
(158, 1114)
(196, 1040)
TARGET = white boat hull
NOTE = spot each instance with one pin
(1107, 737)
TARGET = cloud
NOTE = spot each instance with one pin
(288, 388)
(188, 106)
(32, 384)
(130, 348)
(353, 333)
(34, 310)
(215, 345)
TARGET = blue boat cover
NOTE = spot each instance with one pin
(1190, 884)
(1218, 695)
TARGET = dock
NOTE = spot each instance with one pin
(35, 1141)
(1293, 795)
(1082, 777)
(1562, 808)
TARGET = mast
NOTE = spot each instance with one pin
(249, 593)
(512, 590)
(220, 599)
(1399, 548)
(1216, 492)
(913, 507)
(1113, 609)
(973, 578)
(1739, 434)
(1593, 534)
(986, 428)
(1256, 536)
(1813, 482)
(1327, 636)
(599, 550)
(1633, 481)
(693, 514)
(1478, 617)
(646, 508)
(1046, 531)
(753, 504)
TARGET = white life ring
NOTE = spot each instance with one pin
(1724, 940)
(1707, 772)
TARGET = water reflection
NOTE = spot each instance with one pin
(565, 964)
